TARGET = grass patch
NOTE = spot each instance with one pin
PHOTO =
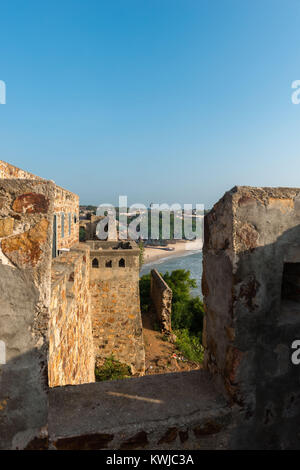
(189, 345)
(112, 369)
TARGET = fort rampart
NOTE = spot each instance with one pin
(247, 396)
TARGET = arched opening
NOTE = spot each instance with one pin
(95, 263)
(122, 263)
(108, 264)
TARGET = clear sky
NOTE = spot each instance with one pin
(161, 100)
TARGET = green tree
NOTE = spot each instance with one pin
(145, 292)
(81, 234)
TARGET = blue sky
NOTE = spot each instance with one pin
(161, 100)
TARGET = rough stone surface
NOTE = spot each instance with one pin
(6, 226)
(71, 352)
(116, 315)
(161, 296)
(26, 248)
(150, 412)
(31, 203)
(25, 267)
(251, 234)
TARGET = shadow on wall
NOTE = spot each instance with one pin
(250, 327)
(24, 402)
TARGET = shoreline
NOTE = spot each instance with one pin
(152, 254)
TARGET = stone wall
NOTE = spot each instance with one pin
(65, 202)
(250, 235)
(66, 208)
(71, 356)
(25, 270)
(247, 398)
(161, 296)
(27, 209)
(116, 315)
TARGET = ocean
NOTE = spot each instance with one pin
(191, 261)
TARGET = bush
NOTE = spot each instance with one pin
(189, 345)
(81, 234)
(187, 311)
(112, 369)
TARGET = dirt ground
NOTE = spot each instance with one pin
(162, 356)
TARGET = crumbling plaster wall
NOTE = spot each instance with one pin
(161, 296)
(249, 234)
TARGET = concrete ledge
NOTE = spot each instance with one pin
(167, 411)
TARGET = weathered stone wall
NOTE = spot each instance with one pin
(25, 269)
(247, 398)
(71, 355)
(161, 296)
(66, 203)
(116, 315)
(249, 235)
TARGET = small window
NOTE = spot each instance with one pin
(70, 223)
(75, 219)
(62, 225)
(122, 263)
(108, 264)
(95, 263)
(290, 289)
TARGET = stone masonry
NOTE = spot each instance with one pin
(71, 353)
(161, 296)
(45, 324)
(116, 315)
(246, 397)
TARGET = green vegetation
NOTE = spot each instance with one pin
(187, 311)
(112, 369)
(190, 345)
(145, 292)
(81, 234)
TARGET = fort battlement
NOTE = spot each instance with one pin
(115, 302)
(57, 313)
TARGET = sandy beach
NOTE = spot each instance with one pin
(181, 247)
